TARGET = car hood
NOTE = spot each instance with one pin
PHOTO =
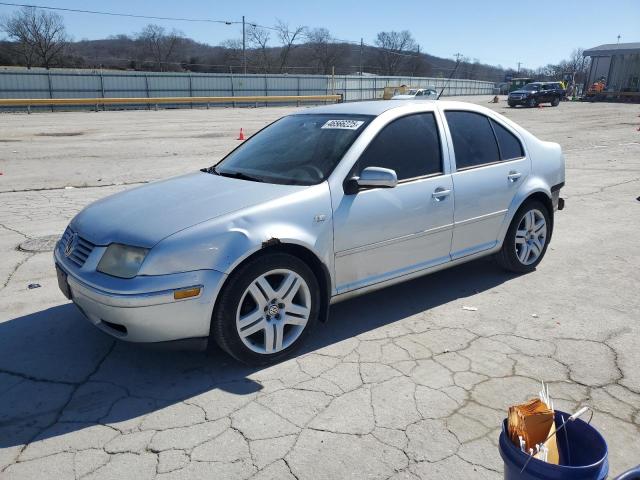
(145, 215)
(403, 97)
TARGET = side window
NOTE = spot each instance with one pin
(473, 140)
(409, 145)
(510, 146)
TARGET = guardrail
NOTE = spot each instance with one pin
(29, 102)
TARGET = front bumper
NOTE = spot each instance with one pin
(147, 312)
(517, 101)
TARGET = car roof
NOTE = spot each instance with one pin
(378, 107)
(374, 108)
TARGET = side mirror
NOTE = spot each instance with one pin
(372, 177)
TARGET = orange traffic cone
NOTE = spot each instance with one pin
(241, 136)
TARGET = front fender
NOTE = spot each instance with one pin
(223, 243)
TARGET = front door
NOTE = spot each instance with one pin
(383, 233)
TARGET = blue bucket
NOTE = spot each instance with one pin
(583, 454)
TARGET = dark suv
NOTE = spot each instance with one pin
(532, 94)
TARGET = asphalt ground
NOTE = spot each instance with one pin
(401, 383)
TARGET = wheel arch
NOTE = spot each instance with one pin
(539, 194)
(319, 269)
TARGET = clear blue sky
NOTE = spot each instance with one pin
(493, 31)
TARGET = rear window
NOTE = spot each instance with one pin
(510, 146)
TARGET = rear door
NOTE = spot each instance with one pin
(490, 164)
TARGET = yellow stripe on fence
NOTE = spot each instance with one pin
(8, 102)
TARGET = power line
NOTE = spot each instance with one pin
(114, 14)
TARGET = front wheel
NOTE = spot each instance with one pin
(266, 309)
(555, 102)
(532, 103)
(527, 238)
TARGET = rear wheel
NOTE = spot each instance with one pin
(266, 309)
(527, 238)
(555, 102)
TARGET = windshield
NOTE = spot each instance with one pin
(531, 87)
(295, 150)
(411, 92)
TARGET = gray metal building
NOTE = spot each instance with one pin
(618, 64)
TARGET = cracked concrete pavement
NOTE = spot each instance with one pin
(399, 384)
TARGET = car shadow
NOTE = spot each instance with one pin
(59, 374)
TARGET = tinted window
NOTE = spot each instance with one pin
(510, 146)
(409, 145)
(473, 139)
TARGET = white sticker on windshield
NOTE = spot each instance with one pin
(343, 124)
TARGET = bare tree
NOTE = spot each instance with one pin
(287, 39)
(578, 65)
(232, 54)
(394, 47)
(161, 46)
(324, 51)
(40, 36)
(258, 39)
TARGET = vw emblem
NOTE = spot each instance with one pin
(274, 310)
(71, 243)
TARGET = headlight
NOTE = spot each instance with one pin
(122, 260)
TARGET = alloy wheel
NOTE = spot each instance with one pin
(531, 237)
(273, 311)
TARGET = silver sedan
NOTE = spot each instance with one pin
(319, 206)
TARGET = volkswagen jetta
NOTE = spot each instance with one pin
(319, 206)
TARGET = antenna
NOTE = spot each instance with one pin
(458, 56)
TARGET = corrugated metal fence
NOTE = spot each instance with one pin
(60, 83)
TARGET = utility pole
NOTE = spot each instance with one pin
(244, 48)
(361, 47)
(619, 38)
(458, 56)
(519, 63)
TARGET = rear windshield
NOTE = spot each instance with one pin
(295, 150)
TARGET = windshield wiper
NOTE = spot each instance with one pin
(238, 175)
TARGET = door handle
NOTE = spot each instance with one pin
(440, 194)
(514, 176)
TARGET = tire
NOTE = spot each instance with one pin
(512, 105)
(555, 102)
(285, 309)
(523, 259)
(532, 102)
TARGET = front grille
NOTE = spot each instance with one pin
(79, 250)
